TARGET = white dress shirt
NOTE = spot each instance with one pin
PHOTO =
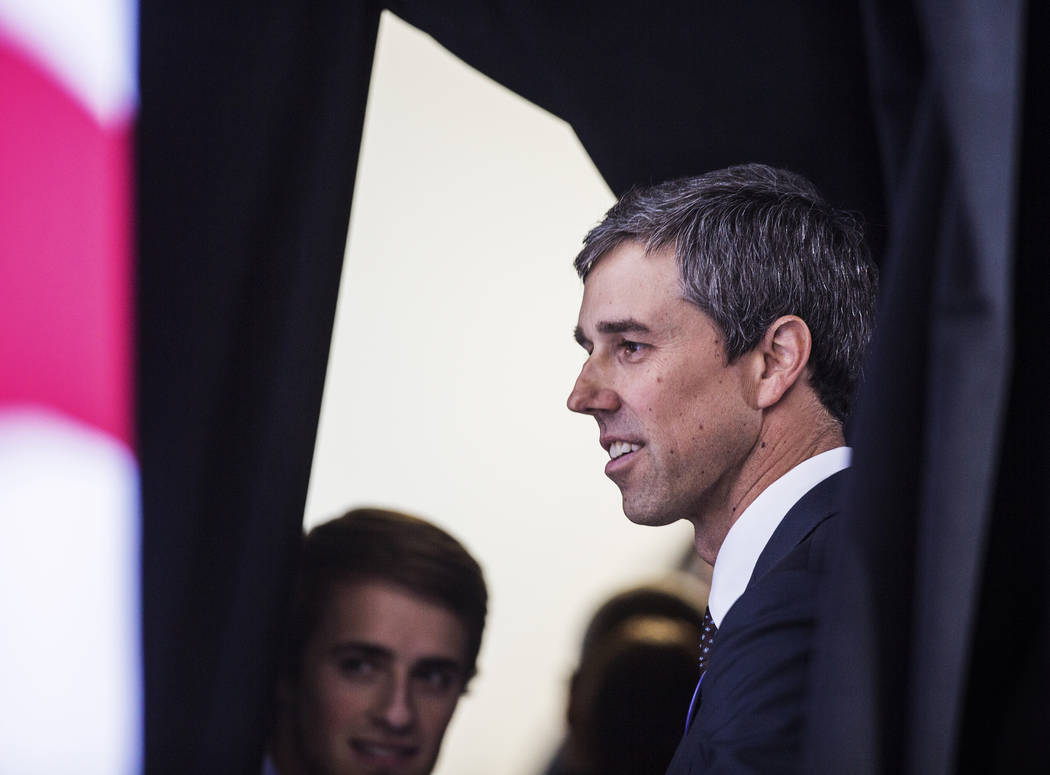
(751, 532)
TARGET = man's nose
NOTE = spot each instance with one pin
(591, 394)
(395, 706)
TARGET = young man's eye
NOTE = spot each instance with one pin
(437, 680)
(631, 348)
(356, 667)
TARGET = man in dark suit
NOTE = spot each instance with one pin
(724, 319)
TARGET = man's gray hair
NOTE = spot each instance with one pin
(754, 243)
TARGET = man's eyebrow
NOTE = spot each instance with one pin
(625, 326)
(439, 663)
(373, 651)
(362, 648)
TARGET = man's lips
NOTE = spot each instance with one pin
(621, 453)
(378, 751)
(618, 449)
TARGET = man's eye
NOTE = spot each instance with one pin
(631, 347)
(356, 667)
(437, 680)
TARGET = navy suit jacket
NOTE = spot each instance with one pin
(752, 706)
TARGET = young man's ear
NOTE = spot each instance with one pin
(784, 352)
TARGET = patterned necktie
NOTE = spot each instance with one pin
(708, 630)
(707, 638)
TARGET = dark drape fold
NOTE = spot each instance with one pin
(250, 126)
(1003, 726)
(662, 90)
(894, 657)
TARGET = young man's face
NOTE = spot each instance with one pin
(675, 418)
(381, 677)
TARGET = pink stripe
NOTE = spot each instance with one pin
(65, 271)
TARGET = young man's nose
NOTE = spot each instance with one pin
(590, 394)
(395, 706)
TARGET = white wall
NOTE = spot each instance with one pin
(451, 361)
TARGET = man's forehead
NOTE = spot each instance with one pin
(622, 267)
(387, 613)
(629, 291)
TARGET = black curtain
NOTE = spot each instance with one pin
(934, 630)
(919, 115)
(662, 90)
(249, 131)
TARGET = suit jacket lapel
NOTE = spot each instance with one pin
(812, 508)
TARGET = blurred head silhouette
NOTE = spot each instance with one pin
(637, 671)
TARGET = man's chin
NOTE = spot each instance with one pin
(648, 516)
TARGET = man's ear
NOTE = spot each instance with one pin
(784, 350)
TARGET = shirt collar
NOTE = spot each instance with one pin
(748, 536)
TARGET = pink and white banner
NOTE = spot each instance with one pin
(70, 655)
